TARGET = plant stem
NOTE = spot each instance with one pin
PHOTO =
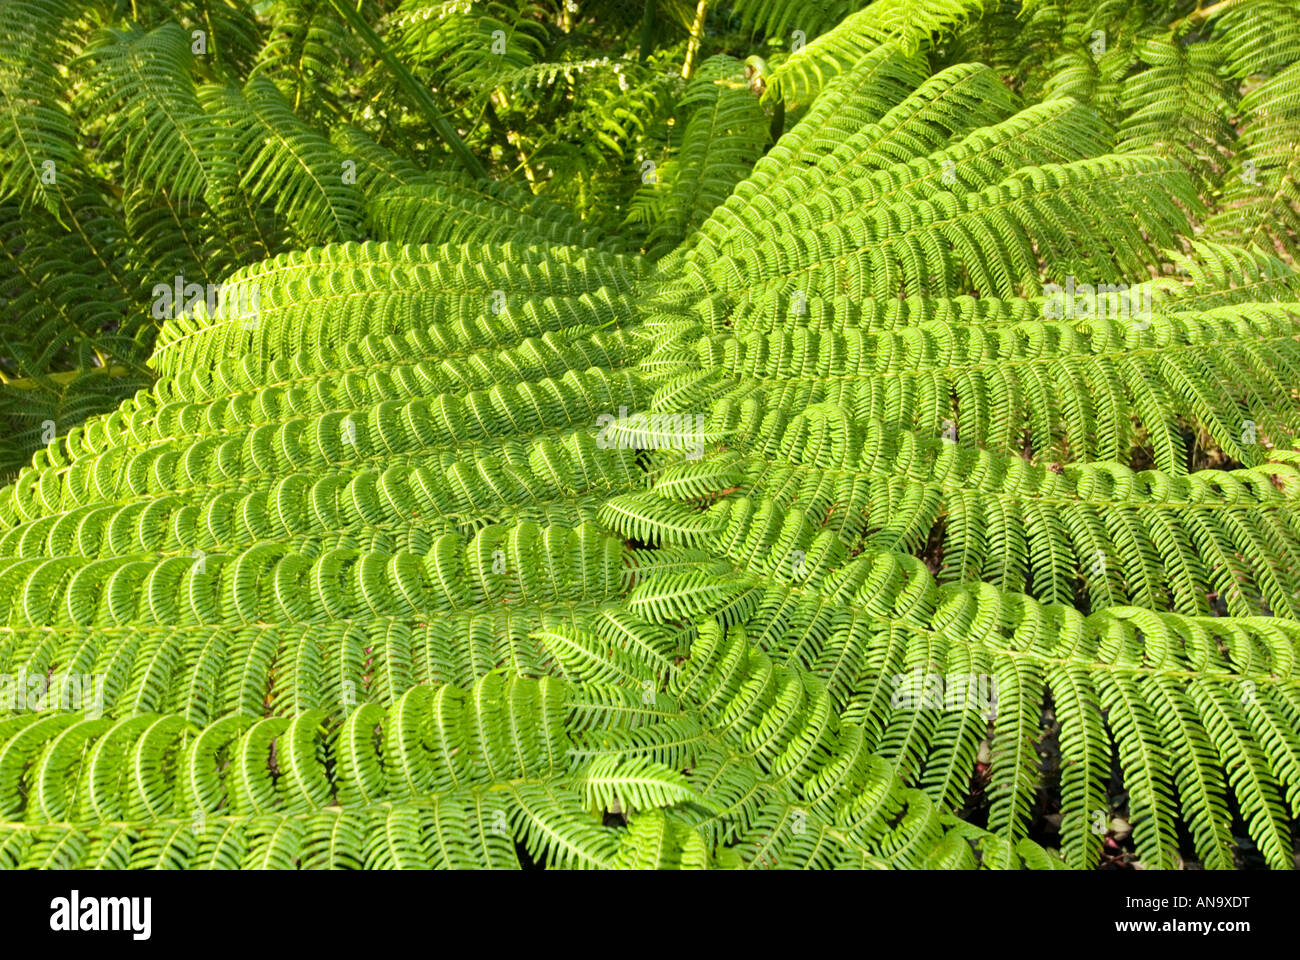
(697, 31)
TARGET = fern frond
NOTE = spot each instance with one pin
(283, 162)
(1179, 107)
(725, 132)
(483, 543)
(909, 23)
(150, 108)
(1261, 204)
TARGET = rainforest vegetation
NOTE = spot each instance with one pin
(659, 434)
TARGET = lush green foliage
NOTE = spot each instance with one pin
(603, 512)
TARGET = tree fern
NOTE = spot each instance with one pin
(1261, 200)
(490, 540)
(905, 22)
(724, 133)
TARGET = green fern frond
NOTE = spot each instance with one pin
(1256, 38)
(799, 541)
(282, 162)
(37, 134)
(1261, 202)
(150, 108)
(909, 23)
(1179, 106)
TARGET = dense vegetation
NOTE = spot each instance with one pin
(764, 434)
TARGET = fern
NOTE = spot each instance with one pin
(1181, 91)
(1261, 202)
(133, 158)
(724, 134)
(490, 539)
(908, 23)
(160, 127)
